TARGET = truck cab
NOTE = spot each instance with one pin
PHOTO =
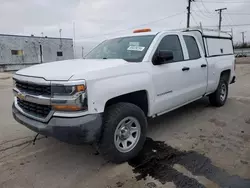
(107, 97)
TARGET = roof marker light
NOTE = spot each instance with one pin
(142, 30)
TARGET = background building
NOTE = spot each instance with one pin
(17, 51)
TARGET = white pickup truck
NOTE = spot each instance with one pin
(107, 97)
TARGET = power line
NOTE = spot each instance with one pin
(223, 2)
(152, 22)
(234, 25)
(236, 13)
(181, 22)
(195, 15)
(202, 13)
(194, 20)
(228, 13)
(230, 18)
(204, 6)
(198, 16)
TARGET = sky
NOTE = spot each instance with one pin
(96, 20)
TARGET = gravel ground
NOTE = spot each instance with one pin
(194, 146)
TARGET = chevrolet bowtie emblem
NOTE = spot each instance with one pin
(21, 96)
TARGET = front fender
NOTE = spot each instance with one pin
(100, 91)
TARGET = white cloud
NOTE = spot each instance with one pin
(93, 18)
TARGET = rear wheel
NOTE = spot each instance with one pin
(219, 97)
(124, 132)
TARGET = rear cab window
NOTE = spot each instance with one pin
(192, 47)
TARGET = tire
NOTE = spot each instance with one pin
(219, 97)
(116, 118)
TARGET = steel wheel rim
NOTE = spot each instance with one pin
(223, 92)
(127, 134)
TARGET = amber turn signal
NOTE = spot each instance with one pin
(66, 108)
(80, 88)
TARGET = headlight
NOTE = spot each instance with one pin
(69, 96)
(63, 90)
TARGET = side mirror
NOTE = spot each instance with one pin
(163, 56)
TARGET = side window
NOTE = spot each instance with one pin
(172, 43)
(60, 54)
(192, 47)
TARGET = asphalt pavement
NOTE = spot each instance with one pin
(196, 144)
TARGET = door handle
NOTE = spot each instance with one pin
(185, 69)
(203, 65)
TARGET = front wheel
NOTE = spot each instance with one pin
(219, 97)
(124, 132)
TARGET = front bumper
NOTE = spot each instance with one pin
(77, 130)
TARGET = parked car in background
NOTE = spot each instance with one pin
(241, 55)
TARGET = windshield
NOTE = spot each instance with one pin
(132, 49)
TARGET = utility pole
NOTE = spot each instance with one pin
(74, 42)
(60, 32)
(82, 52)
(189, 12)
(232, 31)
(220, 16)
(243, 37)
(41, 53)
(243, 41)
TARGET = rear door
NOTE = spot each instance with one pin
(197, 64)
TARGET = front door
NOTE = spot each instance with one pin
(170, 79)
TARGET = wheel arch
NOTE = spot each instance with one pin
(139, 98)
(226, 74)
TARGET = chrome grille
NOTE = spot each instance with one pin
(34, 89)
(37, 110)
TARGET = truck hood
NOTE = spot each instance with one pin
(64, 70)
